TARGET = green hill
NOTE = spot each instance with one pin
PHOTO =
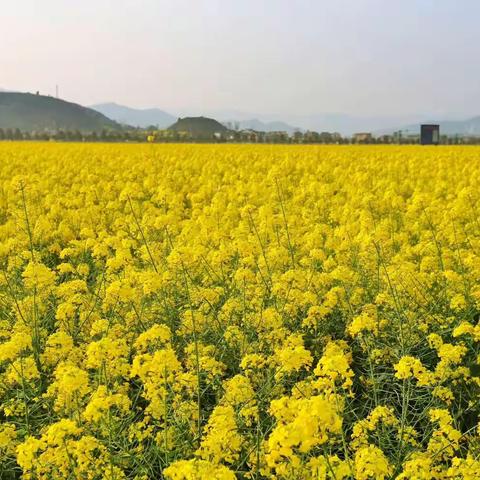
(30, 112)
(200, 127)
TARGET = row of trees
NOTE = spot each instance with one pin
(240, 136)
(134, 135)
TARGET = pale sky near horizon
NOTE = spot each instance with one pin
(361, 57)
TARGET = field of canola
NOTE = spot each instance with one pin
(239, 312)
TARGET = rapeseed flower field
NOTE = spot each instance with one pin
(239, 312)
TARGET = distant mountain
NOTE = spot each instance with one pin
(135, 117)
(350, 124)
(266, 122)
(259, 126)
(249, 120)
(38, 112)
(199, 126)
(470, 126)
(320, 122)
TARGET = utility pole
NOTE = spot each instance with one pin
(56, 91)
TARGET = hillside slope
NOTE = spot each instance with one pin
(199, 126)
(38, 112)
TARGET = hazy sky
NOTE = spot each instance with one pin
(363, 57)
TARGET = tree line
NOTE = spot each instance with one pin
(154, 135)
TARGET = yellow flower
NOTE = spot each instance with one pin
(419, 466)
(8, 438)
(221, 441)
(22, 370)
(19, 341)
(197, 470)
(292, 356)
(70, 387)
(365, 322)
(109, 354)
(156, 336)
(302, 424)
(371, 463)
(334, 366)
(102, 401)
(38, 276)
(458, 302)
(411, 367)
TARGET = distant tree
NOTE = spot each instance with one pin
(298, 136)
(17, 134)
(2, 134)
(326, 137)
(104, 135)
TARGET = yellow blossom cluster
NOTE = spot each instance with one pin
(196, 312)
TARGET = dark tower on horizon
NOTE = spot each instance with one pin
(429, 134)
